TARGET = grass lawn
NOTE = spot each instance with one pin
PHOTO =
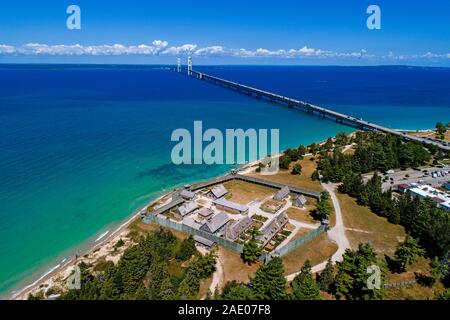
(302, 215)
(244, 192)
(416, 291)
(368, 227)
(301, 181)
(234, 268)
(175, 267)
(144, 228)
(272, 206)
(316, 251)
(300, 233)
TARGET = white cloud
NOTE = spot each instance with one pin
(161, 47)
(160, 44)
(210, 51)
(307, 51)
(183, 49)
(7, 49)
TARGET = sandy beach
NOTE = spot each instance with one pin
(103, 247)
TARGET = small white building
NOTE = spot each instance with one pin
(441, 198)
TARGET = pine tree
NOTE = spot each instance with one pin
(236, 291)
(304, 287)
(284, 162)
(157, 274)
(352, 279)
(216, 295)
(322, 210)
(186, 250)
(315, 175)
(439, 268)
(326, 277)
(302, 150)
(251, 251)
(296, 169)
(167, 290)
(269, 282)
(408, 252)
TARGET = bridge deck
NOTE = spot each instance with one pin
(314, 109)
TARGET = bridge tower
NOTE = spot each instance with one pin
(178, 65)
(189, 66)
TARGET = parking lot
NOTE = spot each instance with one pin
(424, 175)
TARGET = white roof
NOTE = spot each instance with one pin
(425, 191)
(430, 192)
(445, 205)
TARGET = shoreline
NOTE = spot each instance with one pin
(106, 238)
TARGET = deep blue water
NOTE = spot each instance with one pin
(82, 147)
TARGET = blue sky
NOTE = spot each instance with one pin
(221, 32)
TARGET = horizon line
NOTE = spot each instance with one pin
(220, 65)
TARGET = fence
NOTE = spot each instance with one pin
(298, 242)
(400, 284)
(166, 222)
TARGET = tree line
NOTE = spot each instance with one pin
(143, 272)
(345, 280)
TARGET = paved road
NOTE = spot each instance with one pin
(336, 233)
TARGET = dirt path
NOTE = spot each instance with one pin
(336, 234)
(218, 275)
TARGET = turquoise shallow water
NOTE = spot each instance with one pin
(82, 148)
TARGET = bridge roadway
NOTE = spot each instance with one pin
(314, 109)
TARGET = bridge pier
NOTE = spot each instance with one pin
(189, 66)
